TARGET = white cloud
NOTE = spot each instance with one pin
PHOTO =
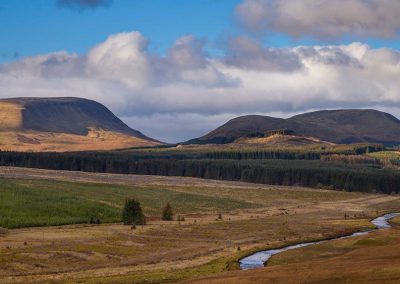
(122, 57)
(322, 18)
(186, 93)
(247, 53)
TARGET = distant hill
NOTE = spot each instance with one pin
(63, 124)
(336, 126)
(278, 140)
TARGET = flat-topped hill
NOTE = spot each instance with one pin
(63, 124)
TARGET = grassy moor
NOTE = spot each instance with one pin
(203, 207)
(191, 142)
(253, 216)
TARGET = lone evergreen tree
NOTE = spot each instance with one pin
(167, 213)
(132, 213)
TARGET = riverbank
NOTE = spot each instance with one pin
(260, 258)
(372, 258)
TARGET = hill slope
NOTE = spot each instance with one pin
(63, 124)
(336, 126)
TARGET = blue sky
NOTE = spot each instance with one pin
(176, 69)
(41, 26)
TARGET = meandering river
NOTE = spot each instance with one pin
(260, 258)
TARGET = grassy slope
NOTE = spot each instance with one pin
(96, 139)
(168, 251)
(63, 124)
(40, 202)
(44, 203)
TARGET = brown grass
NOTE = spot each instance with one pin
(163, 251)
(10, 116)
(373, 258)
(14, 138)
(96, 139)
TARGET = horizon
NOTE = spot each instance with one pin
(210, 130)
(203, 63)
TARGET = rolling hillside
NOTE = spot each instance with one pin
(336, 126)
(63, 124)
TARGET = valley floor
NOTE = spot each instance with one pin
(253, 217)
(373, 258)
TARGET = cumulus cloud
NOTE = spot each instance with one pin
(185, 93)
(83, 4)
(122, 57)
(322, 18)
(247, 53)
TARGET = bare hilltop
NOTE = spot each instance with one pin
(64, 124)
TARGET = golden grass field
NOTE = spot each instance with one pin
(204, 248)
(10, 116)
(96, 139)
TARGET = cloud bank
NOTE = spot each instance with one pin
(322, 18)
(186, 92)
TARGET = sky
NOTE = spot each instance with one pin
(177, 69)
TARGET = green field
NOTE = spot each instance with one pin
(387, 158)
(44, 203)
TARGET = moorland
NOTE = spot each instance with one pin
(49, 238)
(68, 167)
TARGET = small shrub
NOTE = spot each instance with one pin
(167, 213)
(180, 218)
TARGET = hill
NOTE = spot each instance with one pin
(278, 140)
(335, 126)
(63, 124)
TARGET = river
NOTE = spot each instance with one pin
(260, 258)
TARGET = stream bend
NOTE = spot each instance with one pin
(260, 258)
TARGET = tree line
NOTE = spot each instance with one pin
(309, 152)
(334, 175)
